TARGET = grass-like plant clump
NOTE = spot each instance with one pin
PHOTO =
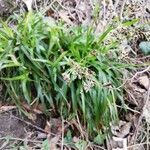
(67, 69)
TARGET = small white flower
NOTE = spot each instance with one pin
(66, 77)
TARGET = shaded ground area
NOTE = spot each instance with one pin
(15, 129)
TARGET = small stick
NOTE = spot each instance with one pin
(28, 123)
(134, 137)
(122, 7)
(141, 72)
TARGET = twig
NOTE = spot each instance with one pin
(130, 109)
(114, 11)
(134, 137)
(79, 126)
(19, 139)
(122, 7)
(147, 137)
(30, 124)
(104, 12)
(141, 72)
(135, 145)
(49, 7)
(62, 135)
(97, 146)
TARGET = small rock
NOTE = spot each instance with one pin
(145, 47)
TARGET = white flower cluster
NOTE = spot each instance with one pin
(76, 71)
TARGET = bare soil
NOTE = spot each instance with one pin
(17, 128)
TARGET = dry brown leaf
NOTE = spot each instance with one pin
(35, 108)
(121, 142)
(6, 108)
(125, 130)
(122, 130)
(144, 81)
(117, 143)
(47, 128)
(53, 143)
(41, 136)
(64, 16)
(56, 126)
(32, 116)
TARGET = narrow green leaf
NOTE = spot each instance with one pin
(129, 23)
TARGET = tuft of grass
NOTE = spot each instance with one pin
(68, 69)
